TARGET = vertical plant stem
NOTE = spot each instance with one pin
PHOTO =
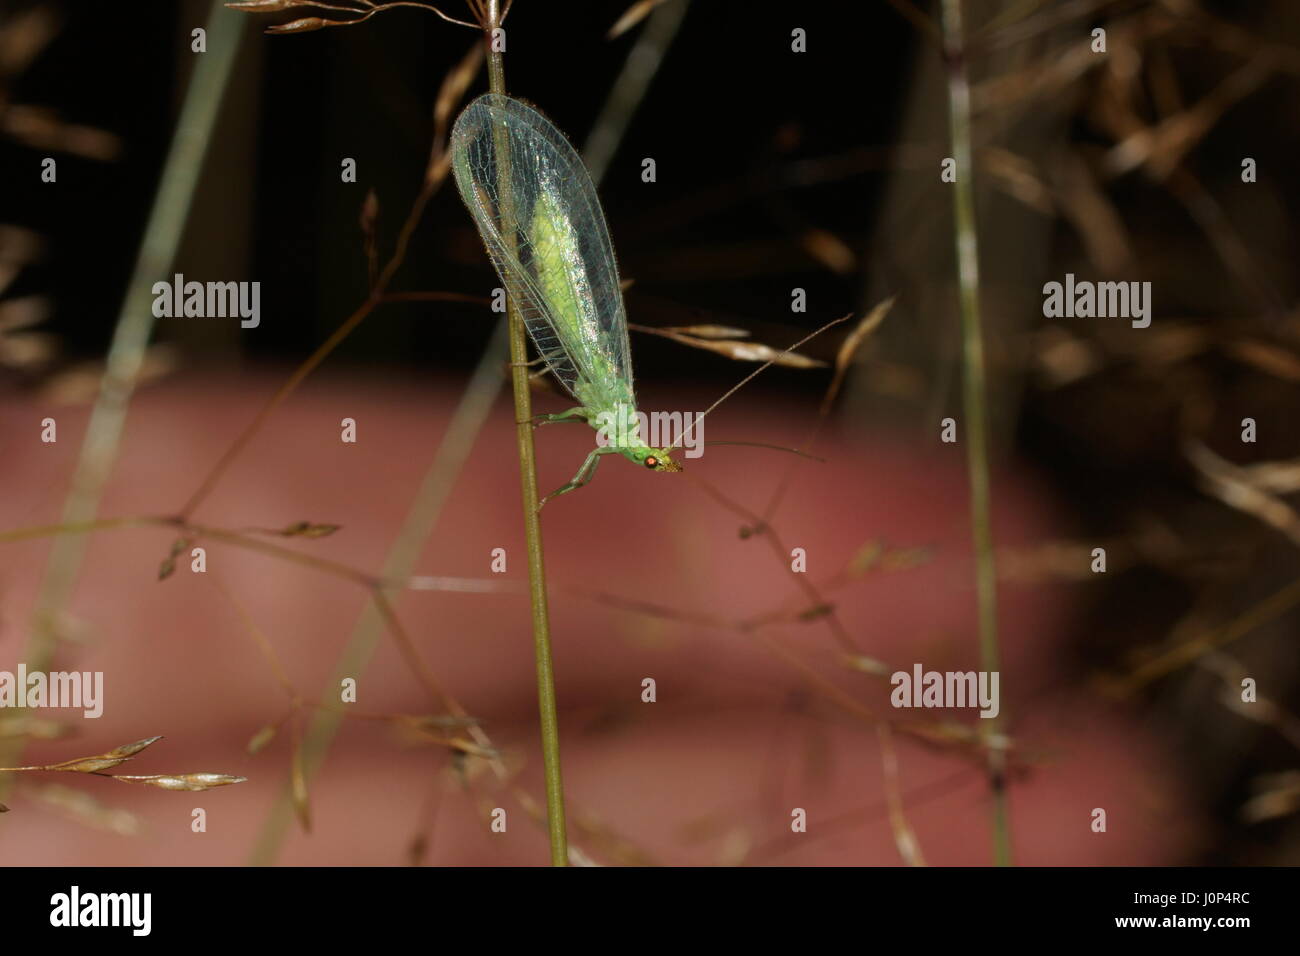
(466, 423)
(975, 405)
(546, 704)
(135, 323)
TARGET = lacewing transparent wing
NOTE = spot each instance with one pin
(540, 218)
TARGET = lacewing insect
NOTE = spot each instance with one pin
(540, 218)
(541, 221)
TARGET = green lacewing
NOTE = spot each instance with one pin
(542, 224)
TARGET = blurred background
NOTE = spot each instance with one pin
(775, 170)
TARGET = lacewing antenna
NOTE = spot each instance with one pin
(751, 376)
(761, 444)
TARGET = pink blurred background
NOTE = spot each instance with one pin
(707, 774)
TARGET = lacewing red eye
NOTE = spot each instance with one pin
(651, 462)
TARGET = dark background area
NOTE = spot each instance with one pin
(717, 113)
